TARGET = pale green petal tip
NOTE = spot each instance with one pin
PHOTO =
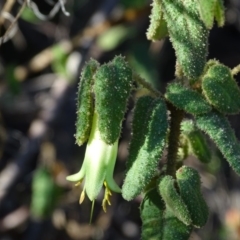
(76, 177)
(113, 185)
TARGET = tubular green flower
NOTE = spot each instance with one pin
(97, 167)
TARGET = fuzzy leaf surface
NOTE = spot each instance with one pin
(186, 99)
(188, 35)
(174, 228)
(197, 142)
(144, 155)
(173, 200)
(221, 90)
(85, 102)
(219, 130)
(152, 209)
(113, 82)
(158, 26)
(190, 190)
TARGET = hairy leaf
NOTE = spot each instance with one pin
(220, 131)
(186, 99)
(173, 200)
(188, 35)
(190, 190)
(221, 90)
(198, 145)
(174, 229)
(113, 82)
(85, 102)
(144, 155)
(152, 209)
(158, 26)
(210, 9)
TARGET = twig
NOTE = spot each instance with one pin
(6, 8)
(14, 22)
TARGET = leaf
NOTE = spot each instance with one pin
(220, 13)
(145, 154)
(221, 90)
(219, 130)
(85, 102)
(174, 229)
(141, 115)
(158, 26)
(113, 83)
(188, 35)
(207, 8)
(198, 145)
(152, 209)
(173, 200)
(186, 99)
(190, 190)
(210, 9)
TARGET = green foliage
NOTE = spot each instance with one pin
(210, 9)
(190, 190)
(221, 90)
(146, 148)
(113, 83)
(197, 142)
(188, 35)
(173, 200)
(158, 26)
(85, 102)
(220, 13)
(174, 228)
(202, 92)
(152, 210)
(45, 193)
(186, 99)
(219, 130)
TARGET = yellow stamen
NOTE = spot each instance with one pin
(82, 196)
(106, 199)
(78, 183)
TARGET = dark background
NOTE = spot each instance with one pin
(38, 112)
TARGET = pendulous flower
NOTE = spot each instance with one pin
(97, 168)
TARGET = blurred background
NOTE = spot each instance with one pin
(40, 65)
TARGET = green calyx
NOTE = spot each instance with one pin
(186, 99)
(221, 90)
(149, 132)
(188, 35)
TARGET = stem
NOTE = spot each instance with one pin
(145, 84)
(176, 118)
(236, 70)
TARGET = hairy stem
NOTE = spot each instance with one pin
(176, 118)
(145, 84)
